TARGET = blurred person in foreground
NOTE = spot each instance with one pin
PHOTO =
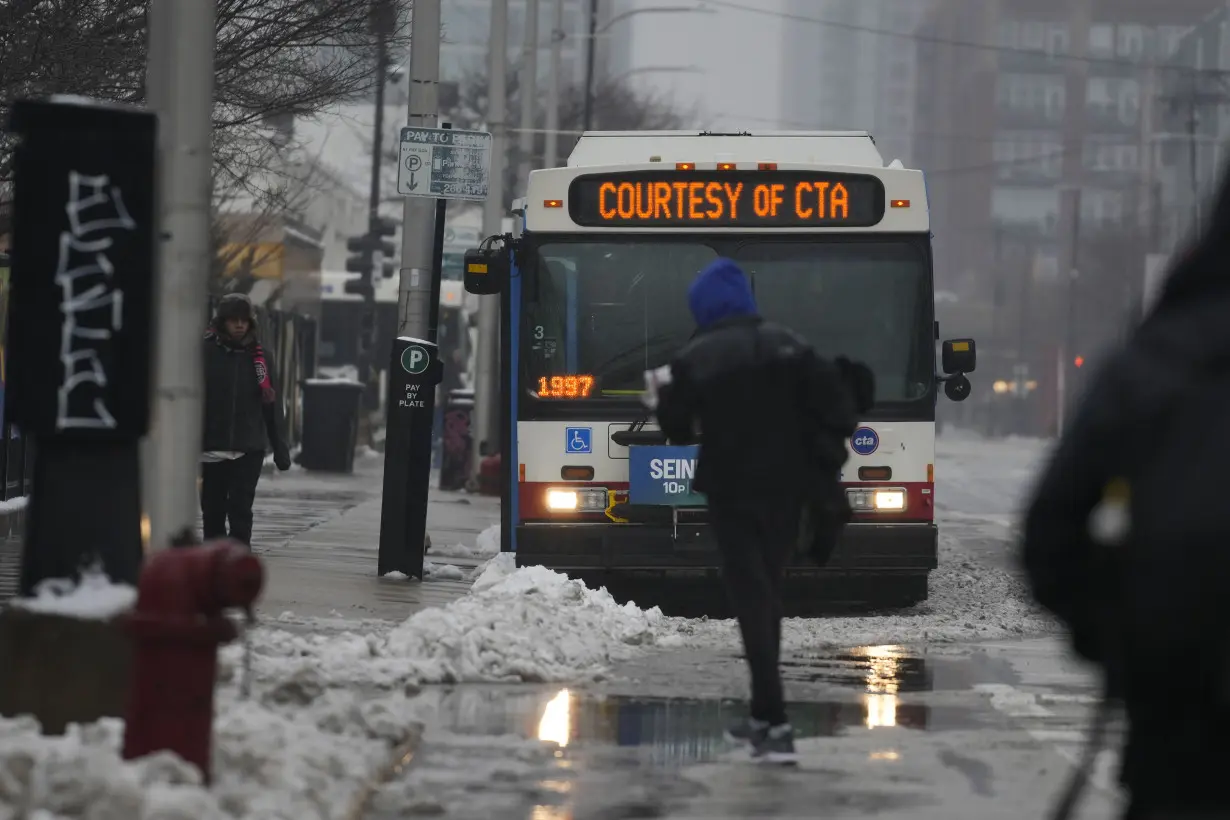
(242, 415)
(773, 417)
(1127, 540)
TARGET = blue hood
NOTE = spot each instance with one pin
(720, 292)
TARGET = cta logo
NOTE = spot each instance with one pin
(865, 441)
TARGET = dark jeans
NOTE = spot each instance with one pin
(228, 489)
(756, 539)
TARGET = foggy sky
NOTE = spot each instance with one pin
(738, 53)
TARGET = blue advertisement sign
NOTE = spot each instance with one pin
(663, 476)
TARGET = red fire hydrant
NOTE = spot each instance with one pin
(176, 629)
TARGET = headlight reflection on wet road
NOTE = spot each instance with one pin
(556, 723)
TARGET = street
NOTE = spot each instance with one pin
(487, 691)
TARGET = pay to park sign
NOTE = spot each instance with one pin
(444, 163)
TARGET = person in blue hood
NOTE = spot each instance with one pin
(772, 418)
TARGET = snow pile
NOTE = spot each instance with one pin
(300, 754)
(442, 572)
(968, 601)
(528, 624)
(93, 598)
(486, 545)
(13, 505)
(535, 625)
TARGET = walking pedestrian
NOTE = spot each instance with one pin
(772, 417)
(243, 416)
(1125, 539)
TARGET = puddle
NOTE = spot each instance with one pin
(874, 669)
(663, 731)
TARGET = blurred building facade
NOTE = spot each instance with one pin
(1194, 126)
(1037, 122)
(851, 67)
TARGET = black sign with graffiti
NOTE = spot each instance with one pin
(79, 336)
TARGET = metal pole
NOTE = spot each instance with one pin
(411, 400)
(487, 383)
(1069, 346)
(414, 306)
(528, 91)
(180, 90)
(367, 351)
(589, 66)
(551, 151)
(1191, 155)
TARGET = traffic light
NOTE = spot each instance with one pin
(381, 228)
(360, 286)
(363, 250)
(360, 261)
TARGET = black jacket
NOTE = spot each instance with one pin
(236, 416)
(772, 414)
(1177, 718)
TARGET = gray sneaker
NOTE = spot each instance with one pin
(775, 745)
(745, 730)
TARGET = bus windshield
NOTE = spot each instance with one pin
(600, 313)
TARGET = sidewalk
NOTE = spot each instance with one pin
(329, 570)
(318, 536)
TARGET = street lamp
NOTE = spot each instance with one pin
(595, 31)
(653, 10)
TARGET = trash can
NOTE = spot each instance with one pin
(330, 424)
(456, 440)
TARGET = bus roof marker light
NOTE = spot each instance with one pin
(685, 166)
(553, 203)
(901, 203)
(726, 166)
(766, 166)
(655, 158)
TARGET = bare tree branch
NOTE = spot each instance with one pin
(274, 59)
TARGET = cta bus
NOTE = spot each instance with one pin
(837, 246)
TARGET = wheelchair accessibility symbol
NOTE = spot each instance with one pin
(578, 440)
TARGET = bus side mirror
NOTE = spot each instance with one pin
(957, 388)
(486, 270)
(959, 356)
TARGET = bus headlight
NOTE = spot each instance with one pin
(581, 499)
(875, 500)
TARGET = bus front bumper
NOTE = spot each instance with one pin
(579, 549)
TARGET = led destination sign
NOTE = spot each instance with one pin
(750, 199)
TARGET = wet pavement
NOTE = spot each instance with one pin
(978, 732)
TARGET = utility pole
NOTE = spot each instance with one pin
(1193, 123)
(411, 402)
(382, 22)
(1068, 350)
(1074, 133)
(551, 152)
(589, 66)
(529, 89)
(179, 83)
(414, 307)
(487, 381)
